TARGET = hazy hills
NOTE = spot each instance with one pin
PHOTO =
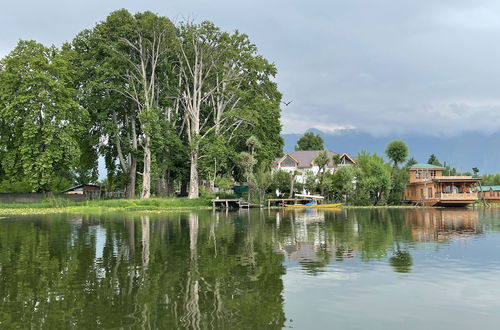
(463, 152)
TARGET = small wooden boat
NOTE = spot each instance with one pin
(305, 206)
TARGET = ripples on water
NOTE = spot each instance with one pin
(304, 269)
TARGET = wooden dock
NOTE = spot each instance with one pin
(227, 203)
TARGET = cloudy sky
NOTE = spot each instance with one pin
(386, 67)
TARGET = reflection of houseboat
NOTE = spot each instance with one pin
(428, 186)
(442, 224)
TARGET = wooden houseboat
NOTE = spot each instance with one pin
(427, 186)
(491, 193)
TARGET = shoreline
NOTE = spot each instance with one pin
(153, 205)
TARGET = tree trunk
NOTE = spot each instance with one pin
(130, 190)
(161, 186)
(169, 185)
(184, 187)
(146, 173)
(323, 183)
(193, 176)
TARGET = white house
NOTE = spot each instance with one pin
(303, 162)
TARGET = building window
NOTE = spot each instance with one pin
(417, 174)
(430, 192)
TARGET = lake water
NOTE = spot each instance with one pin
(304, 269)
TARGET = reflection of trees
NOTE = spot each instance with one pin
(314, 241)
(185, 271)
(192, 270)
(401, 261)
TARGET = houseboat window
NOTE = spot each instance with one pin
(417, 174)
(430, 192)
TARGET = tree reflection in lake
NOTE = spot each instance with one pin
(313, 237)
(192, 270)
(187, 271)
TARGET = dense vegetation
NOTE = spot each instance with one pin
(310, 141)
(167, 106)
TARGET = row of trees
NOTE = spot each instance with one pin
(164, 105)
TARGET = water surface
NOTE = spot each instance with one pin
(302, 269)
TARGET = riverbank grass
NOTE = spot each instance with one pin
(126, 205)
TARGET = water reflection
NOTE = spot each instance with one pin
(316, 238)
(194, 270)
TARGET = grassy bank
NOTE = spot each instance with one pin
(117, 205)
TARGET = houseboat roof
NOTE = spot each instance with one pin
(426, 166)
(488, 188)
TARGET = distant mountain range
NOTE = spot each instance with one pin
(462, 152)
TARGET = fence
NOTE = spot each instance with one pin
(38, 197)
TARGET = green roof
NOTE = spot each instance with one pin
(423, 165)
(487, 188)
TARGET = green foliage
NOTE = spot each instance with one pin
(46, 123)
(490, 179)
(224, 182)
(399, 179)
(261, 183)
(310, 141)
(433, 160)
(310, 182)
(15, 186)
(342, 184)
(412, 161)
(397, 151)
(281, 181)
(322, 160)
(373, 180)
(94, 104)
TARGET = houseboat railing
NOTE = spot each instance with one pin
(459, 196)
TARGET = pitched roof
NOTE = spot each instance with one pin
(423, 165)
(305, 158)
(81, 186)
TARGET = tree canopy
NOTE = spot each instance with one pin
(397, 151)
(310, 141)
(168, 106)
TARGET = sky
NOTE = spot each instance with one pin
(383, 67)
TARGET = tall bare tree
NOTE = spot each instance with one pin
(148, 50)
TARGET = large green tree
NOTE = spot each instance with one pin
(126, 66)
(397, 151)
(42, 122)
(310, 141)
(373, 179)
